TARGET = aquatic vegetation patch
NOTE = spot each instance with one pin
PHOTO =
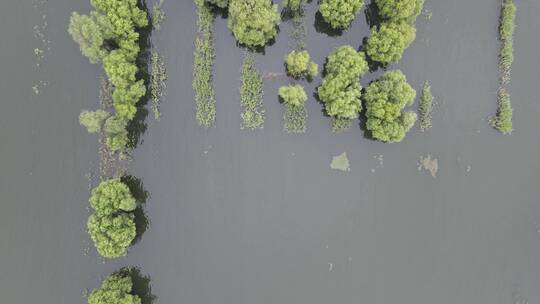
(116, 288)
(158, 82)
(203, 66)
(339, 13)
(426, 107)
(503, 120)
(385, 99)
(294, 118)
(158, 15)
(251, 94)
(112, 226)
(429, 164)
(340, 90)
(109, 35)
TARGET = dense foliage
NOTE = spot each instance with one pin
(399, 10)
(340, 90)
(293, 95)
(503, 121)
(93, 120)
(299, 65)
(115, 289)
(108, 34)
(340, 13)
(251, 94)
(112, 226)
(389, 40)
(385, 99)
(203, 66)
(253, 22)
(425, 107)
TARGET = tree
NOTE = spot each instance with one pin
(115, 289)
(112, 234)
(293, 95)
(299, 65)
(117, 134)
(340, 13)
(90, 32)
(389, 40)
(399, 10)
(340, 90)
(93, 120)
(385, 99)
(253, 22)
(112, 196)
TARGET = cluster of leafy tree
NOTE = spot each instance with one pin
(339, 13)
(253, 22)
(389, 39)
(115, 289)
(385, 99)
(340, 90)
(108, 35)
(112, 226)
(503, 120)
(299, 65)
(293, 95)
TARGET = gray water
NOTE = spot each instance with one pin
(259, 217)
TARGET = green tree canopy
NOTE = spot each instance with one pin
(112, 234)
(90, 32)
(389, 40)
(115, 289)
(112, 196)
(117, 134)
(385, 99)
(293, 95)
(93, 120)
(399, 10)
(299, 65)
(253, 22)
(340, 13)
(340, 90)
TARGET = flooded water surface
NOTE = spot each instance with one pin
(239, 216)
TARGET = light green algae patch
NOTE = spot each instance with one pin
(341, 162)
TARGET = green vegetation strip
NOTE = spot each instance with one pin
(203, 66)
(503, 120)
(426, 107)
(158, 15)
(158, 82)
(251, 93)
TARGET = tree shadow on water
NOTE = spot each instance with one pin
(142, 222)
(321, 26)
(373, 18)
(372, 64)
(137, 126)
(141, 284)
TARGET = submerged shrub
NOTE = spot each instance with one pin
(426, 106)
(340, 90)
(340, 13)
(385, 99)
(399, 10)
(299, 65)
(294, 5)
(503, 120)
(253, 22)
(115, 289)
(389, 40)
(93, 120)
(293, 95)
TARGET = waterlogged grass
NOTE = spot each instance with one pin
(158, 83)
(158, 15)
(251, 93)
(426, 107)
(203, 66)
(294, 119)
(503, 120)
(340, 125)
